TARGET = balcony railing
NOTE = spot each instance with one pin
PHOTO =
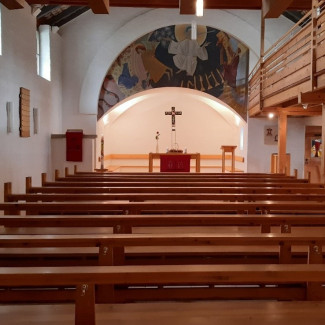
(294, 64)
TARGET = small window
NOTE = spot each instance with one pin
(44, 51)
(37, 52)
(0, 32)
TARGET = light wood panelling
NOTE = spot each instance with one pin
(293, 65)
(285, 95)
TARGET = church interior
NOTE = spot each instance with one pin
(140, 136)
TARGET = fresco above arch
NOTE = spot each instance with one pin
(215, 63)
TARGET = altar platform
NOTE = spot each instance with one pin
(139, 162)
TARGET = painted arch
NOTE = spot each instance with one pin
(214, 63)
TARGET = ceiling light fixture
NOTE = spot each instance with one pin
(304, 106)
(199, 8)
(271, 115)
(193, 30)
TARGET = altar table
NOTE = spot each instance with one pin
(195, 156)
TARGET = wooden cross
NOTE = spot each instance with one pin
(173, 113)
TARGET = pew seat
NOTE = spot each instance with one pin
(159, 278)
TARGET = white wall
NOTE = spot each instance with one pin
(21, 157)
(259, 154)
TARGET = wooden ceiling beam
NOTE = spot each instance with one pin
(312, 97)
(13, 4)
(99, 6)
(187, 7)
(274, 8)
(208, 4)
(315, 110)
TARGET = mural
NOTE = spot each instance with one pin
(214, 63)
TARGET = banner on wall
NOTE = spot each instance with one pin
(74, 145)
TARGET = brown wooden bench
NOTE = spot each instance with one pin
(84, 279)
(111, 250)
(170, 178)
(139, 197)
(108, 256)
(179, 174)
(182, 177)
(126, 223)
(228, 188)
(168, 181)
(279, 184)
(162, 207)
(35, 225)
(151, 189)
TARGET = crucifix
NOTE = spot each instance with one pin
(173, 113)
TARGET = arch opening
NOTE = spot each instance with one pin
(205, 125)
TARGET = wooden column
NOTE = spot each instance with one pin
(322, 172)
(282, 142)
(262, 58)
(313, 78)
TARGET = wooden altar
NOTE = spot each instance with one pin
(195, 156)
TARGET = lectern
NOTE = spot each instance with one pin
(230, 149)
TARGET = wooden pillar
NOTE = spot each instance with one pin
(322, 173)
(262, 57)
(313, 77)
(282, 142)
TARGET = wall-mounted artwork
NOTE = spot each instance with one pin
(24, 112)
(271, 134)
(316, 148)
(214, 63)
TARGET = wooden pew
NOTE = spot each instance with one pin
(35, 225)
(180, 174)
(84, 279)
(127, 223)
(108, 256)
(170, 178)
(283, 242)
(279, 184)
(162, 207)
(152, 189)
(173, 176)
(228, 188)
(167, 180)
(139, 197)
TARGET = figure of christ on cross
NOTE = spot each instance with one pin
(173, 113)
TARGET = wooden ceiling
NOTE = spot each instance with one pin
(187, 5)
(59, 12)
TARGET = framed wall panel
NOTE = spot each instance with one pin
(24, 112)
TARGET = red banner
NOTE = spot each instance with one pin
(175, 163)
(74, 145)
